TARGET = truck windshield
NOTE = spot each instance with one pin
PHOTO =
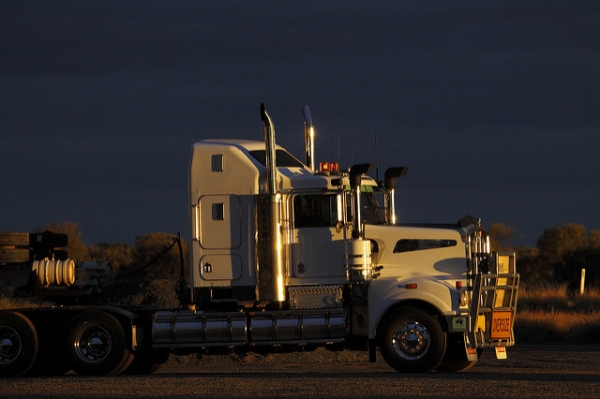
(283, 159)
(371, 212)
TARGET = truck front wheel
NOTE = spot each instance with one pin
(412, 340)
(96, 344)
(455, 359)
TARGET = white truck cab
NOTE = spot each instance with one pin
(278, 239)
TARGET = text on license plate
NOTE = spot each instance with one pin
(501, 324)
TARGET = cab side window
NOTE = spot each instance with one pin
(314, 211)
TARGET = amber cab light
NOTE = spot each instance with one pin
(329, 166)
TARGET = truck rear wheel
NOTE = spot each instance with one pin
(51, 359)
(412, 341)
(18, 344)
(96, 345)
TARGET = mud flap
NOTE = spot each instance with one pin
(501, 352)
(470, 350)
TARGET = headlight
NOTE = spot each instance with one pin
(464, 298)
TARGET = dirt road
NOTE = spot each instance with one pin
(530, 371)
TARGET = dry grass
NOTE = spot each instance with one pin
(553, 314)
(556, 326)
(12, 303)
(7, 301)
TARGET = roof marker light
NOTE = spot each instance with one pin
(329, 167)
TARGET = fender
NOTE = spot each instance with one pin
(387, 293)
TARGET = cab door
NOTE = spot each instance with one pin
(317, 244)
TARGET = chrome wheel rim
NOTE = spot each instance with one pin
(93, 344)
(10, 345)
(411, 340)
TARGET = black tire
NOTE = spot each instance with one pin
(14, 255)
(14, 239)
(455, 366)
(96, 344)
(412, 341)
(51, 359)
(455, 359)
(147, 361)
(18, 344)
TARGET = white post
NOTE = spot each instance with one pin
(582, 284)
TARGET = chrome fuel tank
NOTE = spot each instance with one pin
(192, 329)
(198, 329)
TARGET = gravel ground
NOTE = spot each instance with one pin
(530, 371)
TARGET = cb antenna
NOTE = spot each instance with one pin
(376, 159)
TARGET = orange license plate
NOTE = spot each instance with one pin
(501, 324)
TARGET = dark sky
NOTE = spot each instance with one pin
(494, 105)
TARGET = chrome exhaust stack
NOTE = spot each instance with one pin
(391, 174)
(309, 138)
(270, 161)
(269, 245)
(356, 172)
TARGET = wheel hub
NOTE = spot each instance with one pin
(411, 341)
(94, 344)
(10, 346)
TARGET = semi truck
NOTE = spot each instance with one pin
(285, 255)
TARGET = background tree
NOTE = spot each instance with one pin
(501, 236)
(528, 265)
(149, 246)
(569, 248)
(559, 243)
(118, 254)
(531, 270)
